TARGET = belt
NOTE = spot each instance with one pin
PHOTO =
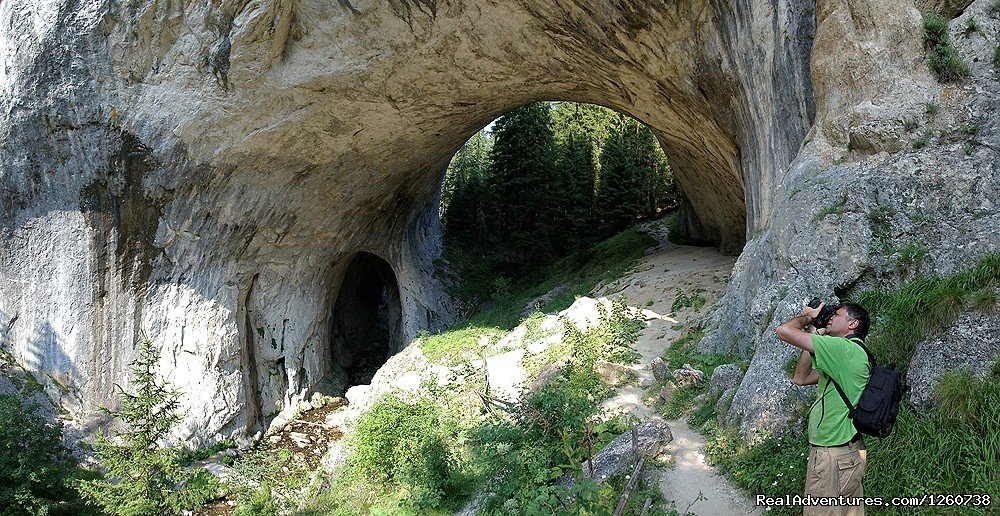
(856, 438)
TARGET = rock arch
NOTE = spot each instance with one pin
(254, 146)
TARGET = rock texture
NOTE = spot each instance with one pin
(206, 172)
(845, 219)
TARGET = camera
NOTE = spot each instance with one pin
(825, 314)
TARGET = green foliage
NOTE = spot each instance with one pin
(836, 208)
(996, 57)
(36, 471)
(685, 351)
(683, 300)
(704, 412)
(554, 431)
(522, 160)
(957, 450)
(901, 319)
(463, 193)
(635, 177)
(935, 29)
(959, 445)
(400, 450)
(452, 345)
(774, 467)
(528, 196)
(945, 62)
(143, 478)
(423, 457)
(683, 400)
(268, 482)
(574, 213)
(188, 456)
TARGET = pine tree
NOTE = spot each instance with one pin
(575, 199)
(619, 195)
(520, 189)
(36, 471)
(143, 478)
(462, 192)
(635, 179)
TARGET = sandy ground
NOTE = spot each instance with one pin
(653, 285)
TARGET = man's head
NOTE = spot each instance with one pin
(850, 319)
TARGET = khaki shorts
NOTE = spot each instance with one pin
(836, 472)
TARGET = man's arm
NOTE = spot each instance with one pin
(792, 332)
(804, 372)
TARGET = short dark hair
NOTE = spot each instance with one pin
(858, 313)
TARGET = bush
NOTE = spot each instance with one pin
(947, 65)
(954, 449)
(945, 62)
(935, 30)
(400, 450)
(958, 445)
(774, 467)
(267, 481)
(36, 471)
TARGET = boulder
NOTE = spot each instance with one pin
(613, 374)
(668, 392)
(660, 369)
(620, 454)
(725, 377)
(688, 375)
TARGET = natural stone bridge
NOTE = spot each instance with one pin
(206, 171)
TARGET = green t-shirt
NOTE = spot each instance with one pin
(847, 363)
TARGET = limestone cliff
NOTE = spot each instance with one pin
(206, 171)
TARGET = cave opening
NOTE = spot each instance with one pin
(367, 317)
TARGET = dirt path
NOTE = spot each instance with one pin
(695, 486)
(700, 275)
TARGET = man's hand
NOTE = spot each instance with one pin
(813, 313)
(791, 331)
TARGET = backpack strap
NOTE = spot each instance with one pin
(871, 357)
(850, 407)
(871, 362)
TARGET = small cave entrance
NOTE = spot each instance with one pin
(366, 318)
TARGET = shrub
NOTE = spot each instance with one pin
(996, 57)
(36, 471)
(935, 30)
(400, 451)
(774, 467)
(945, 62)
(959, 445)
(267, 481)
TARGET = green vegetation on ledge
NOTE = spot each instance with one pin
(945, 62)
(578, 273)
(901, 319)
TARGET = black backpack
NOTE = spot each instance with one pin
(879, 403)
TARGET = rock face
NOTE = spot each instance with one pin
(207, 173)
(844, 221)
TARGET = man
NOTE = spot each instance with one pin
(837, 455)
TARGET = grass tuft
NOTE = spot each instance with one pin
(925, 305)
(945, 62)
